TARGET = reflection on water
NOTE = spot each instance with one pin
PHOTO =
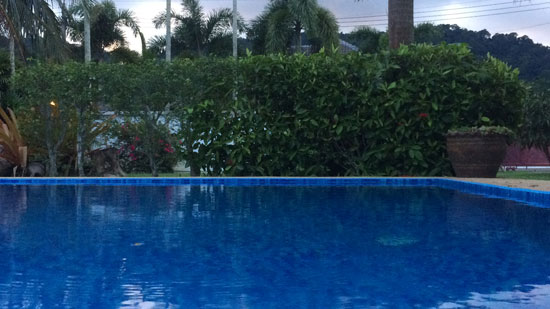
(526, 296)
(265, 247)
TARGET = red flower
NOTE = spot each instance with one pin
(181, 142)
(137, 139)
(132, 147)
(423, 115)
(161, 141)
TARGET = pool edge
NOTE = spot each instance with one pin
(533, 197)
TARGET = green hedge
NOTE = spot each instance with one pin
(381, 114)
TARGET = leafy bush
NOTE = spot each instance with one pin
(536, 128)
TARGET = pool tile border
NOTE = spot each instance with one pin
(537, 198)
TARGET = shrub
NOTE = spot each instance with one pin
(536, 128)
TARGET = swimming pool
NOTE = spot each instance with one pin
(271, 243)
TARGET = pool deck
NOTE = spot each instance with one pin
(538, 185)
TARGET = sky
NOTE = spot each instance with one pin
(526, 17)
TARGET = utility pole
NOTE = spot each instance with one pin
(87, 40)
(235, 29)
(168, 30)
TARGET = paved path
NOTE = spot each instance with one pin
(540, 185)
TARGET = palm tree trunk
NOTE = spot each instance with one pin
(63, 22)
(298, 34)
(87, 40)
(12, 54)
(197, 38)
(400, 22)
(235, 29)
(168, 30)
(143, 43)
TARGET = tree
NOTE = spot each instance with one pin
(106, 23)
(367, 39)
(196, 32)
(283, 21)
(44, 104)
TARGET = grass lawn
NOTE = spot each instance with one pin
(176, 174)
(525, 175)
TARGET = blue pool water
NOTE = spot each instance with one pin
(269, 247)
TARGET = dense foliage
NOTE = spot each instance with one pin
(380, 114)
(536, 126)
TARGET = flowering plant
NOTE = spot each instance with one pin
(133, 145)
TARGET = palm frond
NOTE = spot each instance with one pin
(326, 28)
(279, 30)
(128, 19)
(304, 11)
(157, 44)
(159, 21)
(193, 9)
(14, 149)
(218, 22)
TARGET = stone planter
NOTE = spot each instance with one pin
(475, 155)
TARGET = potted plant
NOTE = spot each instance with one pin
(477, 151)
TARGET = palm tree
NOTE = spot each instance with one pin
(196, 31)
(106, 23)
(33, 27)
(400, 22)
(283, 21)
